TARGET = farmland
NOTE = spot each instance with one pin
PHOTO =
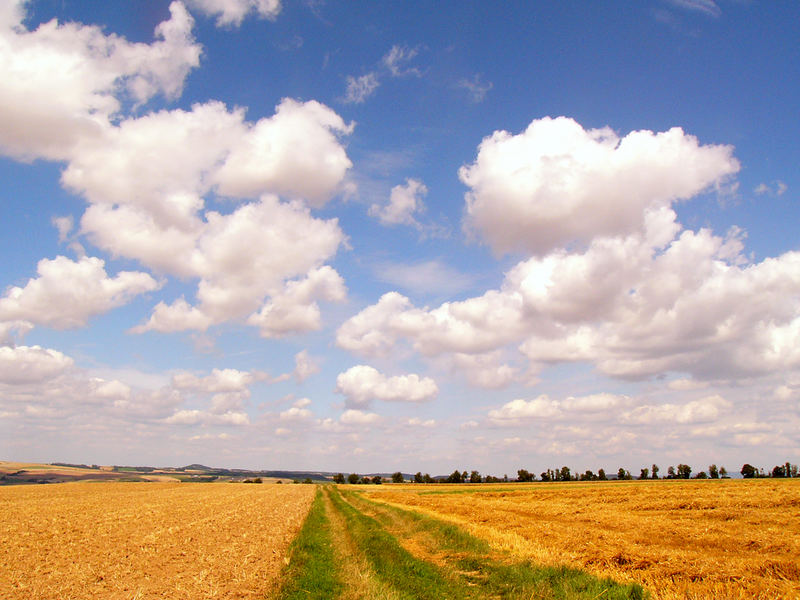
(680, 539)
(150, 540)
(676, 539)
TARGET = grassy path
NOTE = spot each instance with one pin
(351, 547)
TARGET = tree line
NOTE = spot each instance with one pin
(682, 471)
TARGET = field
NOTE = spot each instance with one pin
(665, 540)
(679, 539)
(146, 540)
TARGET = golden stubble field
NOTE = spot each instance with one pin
(680, 539)
(146, 540)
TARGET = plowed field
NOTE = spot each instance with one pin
(693, 539)
(137, 541)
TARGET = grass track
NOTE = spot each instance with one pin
(312, 571)
(351, 547)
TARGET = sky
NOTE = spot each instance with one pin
(379, 236)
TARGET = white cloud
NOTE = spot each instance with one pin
(397, 57)
(404, 201)
(635, 307)
(685, 385)
(282, 241)
(67, 293)
(233, 12)
(358, 417)
(362, 383)
(219, 381)
(360, 88)
(520, 410)
(295, 310)
(62, 83)
(485, 370)
(556, 183)
(31, 364)
(304, 366)
(763, 188)
(697, 411)
(476, 87)
(298, 411)
(707, 7)
(417, 422)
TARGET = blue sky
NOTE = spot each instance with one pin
(415, 236)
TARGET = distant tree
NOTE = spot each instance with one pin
(778, 472)
(644, 473)
(365, 480)
(475, 477)
(427, 478)
(353, 478)
(748, 471)
(623, 474)
(505, 478)
(601, 475)
(545, 475)
(464, 477)
(377, 480)
(792, 470)
(588, 476)
(723, 473)
(564, 474)
(492, 479)
(418, 477)
(338, 478)
(397, 477)
(524, 476)
(671, 472)
(654, 471)
(455, 477)
(701, 475)
(684, 471)
(713, 472)
(306, 480)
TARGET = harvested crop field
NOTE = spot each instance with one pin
(146, 540)
(680, 539)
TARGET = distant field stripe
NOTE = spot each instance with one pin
(312, 571)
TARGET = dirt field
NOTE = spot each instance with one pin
(135, 541)
(692, 539)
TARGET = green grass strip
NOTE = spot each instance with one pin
(408, 575)
(493, 578)
(312, 571)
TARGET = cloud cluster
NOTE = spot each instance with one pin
(233, 12)
(640, 297)
(67, 293)
(362, 384)
(148, 178)
(557, 184)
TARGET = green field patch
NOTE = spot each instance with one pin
(312, 571)
(474, 571)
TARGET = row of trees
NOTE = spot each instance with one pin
(682, 471)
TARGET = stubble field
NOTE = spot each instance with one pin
(679, 539)
(153, 540)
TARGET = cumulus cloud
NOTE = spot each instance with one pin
(31, 364)
(298, 411)
(67, 293)
(635, 306)
(233, 12)
(557, 183)
(295, 309)
(362, 383)
(219, 380)
(358, 417)
(360, 88)
(404, 201)
(305, 366)
(63, 82)
(697, 411)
